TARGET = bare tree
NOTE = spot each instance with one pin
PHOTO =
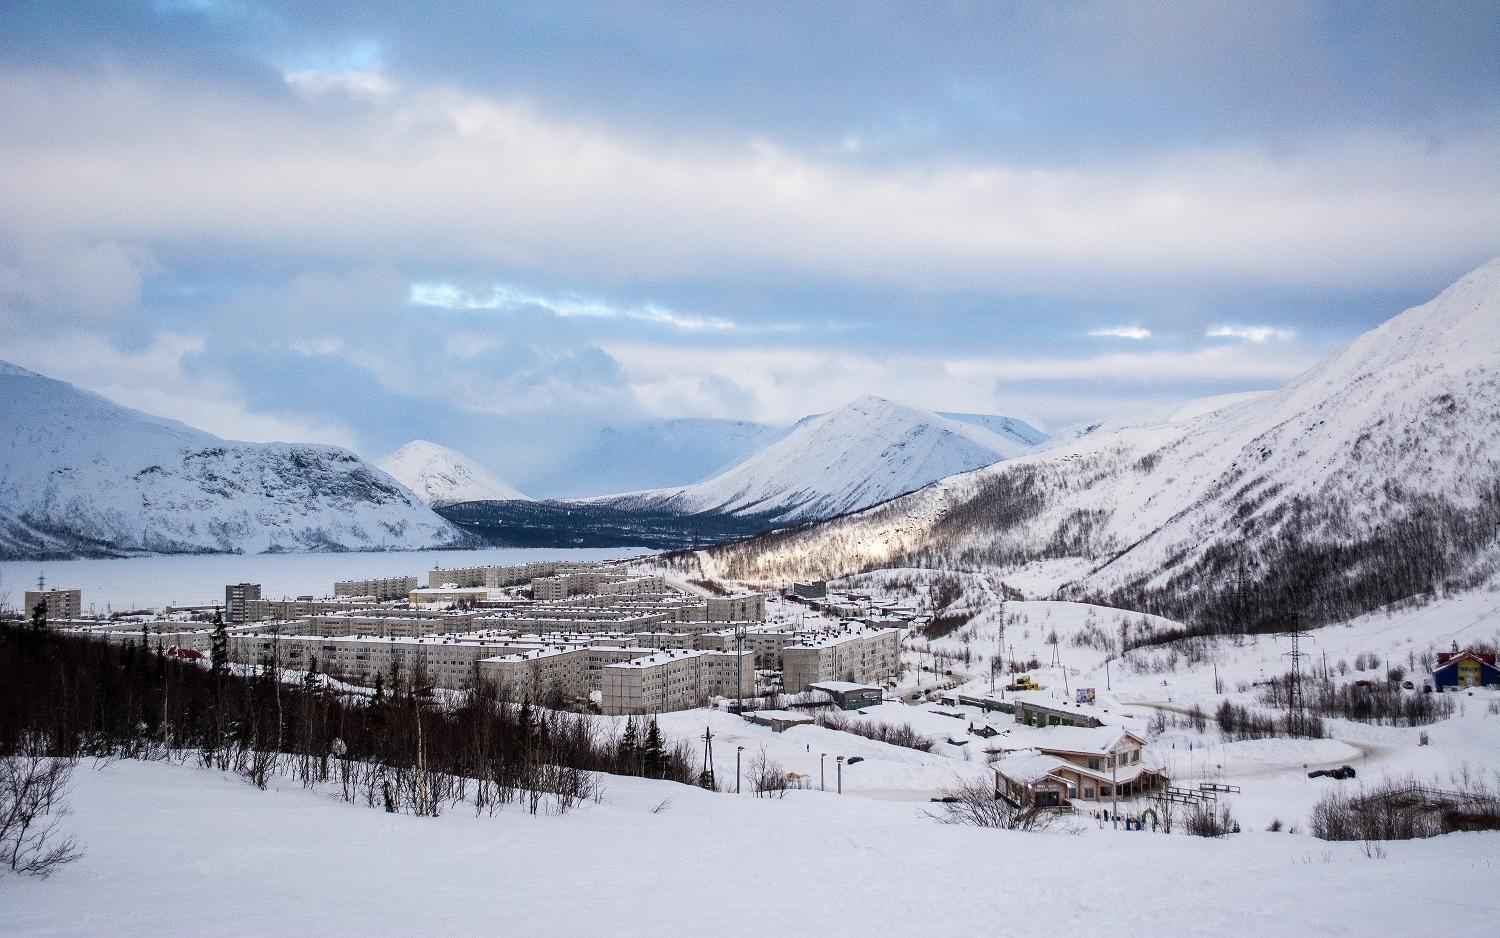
(32, 788)
(977, 804)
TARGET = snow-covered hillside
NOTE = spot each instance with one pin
(864, 453)
(80, 475)
(1370, 477)
(440, 476)
(651, 454)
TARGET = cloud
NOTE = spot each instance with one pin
(432, 175)
(160, 378)
(781, 383)
(1257, 334)
(72, 280)
(501, 297)
(1121, 332)
(357, 83)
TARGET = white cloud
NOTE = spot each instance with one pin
(780, 383)
(1257, 334)
(448, 296)
(154, 379)
(1121, 332)
(357, 83)
(431, 175)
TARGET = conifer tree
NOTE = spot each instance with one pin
(655, 756)
(39, 615)
(219, 649)
(630, 749)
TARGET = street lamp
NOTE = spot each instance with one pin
(840, 761)
(822, 772)
(737, 751)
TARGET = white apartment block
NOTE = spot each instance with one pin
(863, 656)
(674, 679)
(379, 589)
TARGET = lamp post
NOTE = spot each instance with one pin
(840, 761)
(822, 772)
(737, 751)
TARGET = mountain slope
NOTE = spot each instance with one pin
(80, 475)
(864, 453)
(440, 476)
(1370, 478)
(653, 454)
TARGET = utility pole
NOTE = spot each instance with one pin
(737, 752)
(822, 772)
(1114, 792)
(707, 778)
(739, 667)
(1295, 702)
(840, 761)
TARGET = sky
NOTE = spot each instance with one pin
(503, 226)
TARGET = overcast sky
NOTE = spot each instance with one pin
(365, 223)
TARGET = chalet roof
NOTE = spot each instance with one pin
(1086, 740)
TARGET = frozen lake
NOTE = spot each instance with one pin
(140, 582)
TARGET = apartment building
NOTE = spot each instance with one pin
(283, 610)
(742, 607)
(859, 655)
(501, 577)
(238, 598)
(674, 679)
(59, 604)
(379, 589)
(444, 661)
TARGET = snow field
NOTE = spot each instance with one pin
(180, 850)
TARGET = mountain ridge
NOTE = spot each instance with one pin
(83, 476)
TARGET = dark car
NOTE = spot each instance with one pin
(1340, 773)
(853, 759)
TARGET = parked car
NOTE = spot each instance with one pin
(853, 759)
(1340, 773)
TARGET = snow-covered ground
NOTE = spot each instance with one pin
(175, 850)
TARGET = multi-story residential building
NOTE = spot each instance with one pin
(237, 600)
(379, 589)
(742, 607)
(284, 610)
(58, 604)
(674, 679)
(864, 656)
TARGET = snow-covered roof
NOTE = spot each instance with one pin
(1028, 768)
(1090, 740)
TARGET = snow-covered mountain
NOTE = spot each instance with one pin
(80, 475)
(864, 453)
(440, 476)
(1371, 477)
(652, 454)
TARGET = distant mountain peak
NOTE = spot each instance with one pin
(441, 476)
(7, 370)
(865, 452)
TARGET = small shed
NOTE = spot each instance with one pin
(850, 696)
(778, 720)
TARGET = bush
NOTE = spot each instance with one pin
(897, 734)
(1401, 809)
(1206, 820)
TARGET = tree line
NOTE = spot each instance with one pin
(64, 697)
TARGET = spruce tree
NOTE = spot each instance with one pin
(39, 615)
(629, 755)
(656, 756)
(219, 649)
